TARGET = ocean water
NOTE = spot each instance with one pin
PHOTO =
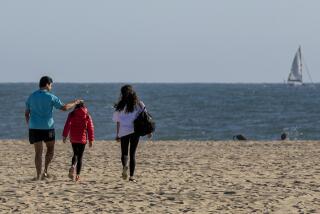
(183, 111)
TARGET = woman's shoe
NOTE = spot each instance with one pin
(71, 173)
(125, 173)
(44, 176)
(78, 178)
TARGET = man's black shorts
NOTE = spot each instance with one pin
(39, 135)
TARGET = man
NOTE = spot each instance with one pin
(38, 114)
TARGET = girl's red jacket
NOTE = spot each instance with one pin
(80, 126)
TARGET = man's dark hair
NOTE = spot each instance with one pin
(44, 81)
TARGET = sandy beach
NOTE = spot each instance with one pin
(173, 177)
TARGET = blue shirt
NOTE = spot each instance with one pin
(40, 104)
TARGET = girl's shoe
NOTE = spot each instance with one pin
(125, 173)
(71, 173)
(44, 176)
(78, 178)
(131, 179)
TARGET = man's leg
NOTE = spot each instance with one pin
(49, 154)
(38, 148)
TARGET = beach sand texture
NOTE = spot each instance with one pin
(173, 177)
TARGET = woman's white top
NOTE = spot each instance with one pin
(126, 119)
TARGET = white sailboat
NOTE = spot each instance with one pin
(295, 76)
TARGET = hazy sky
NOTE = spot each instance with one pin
(157, 41)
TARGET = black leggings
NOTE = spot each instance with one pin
(78, 150)
(134, 140)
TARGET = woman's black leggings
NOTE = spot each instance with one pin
(133, 139)
(78, 150)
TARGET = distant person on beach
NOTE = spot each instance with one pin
(126, 111)
(79, 127)
(284, 136)
(239, 137)
(38, 115)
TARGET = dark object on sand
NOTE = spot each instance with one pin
(239, 137)
(283, 136)
(229, 192)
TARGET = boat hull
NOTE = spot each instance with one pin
(294, 83)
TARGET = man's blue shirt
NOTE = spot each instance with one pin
(40, 104)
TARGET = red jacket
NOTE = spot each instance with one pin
(79, 125)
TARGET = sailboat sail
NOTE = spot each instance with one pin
(296, 68)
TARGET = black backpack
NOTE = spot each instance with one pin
(144, 123)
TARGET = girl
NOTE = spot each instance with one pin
(80, 127)
(126, 111)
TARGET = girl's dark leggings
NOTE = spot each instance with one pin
(133, 140)
(78, 150)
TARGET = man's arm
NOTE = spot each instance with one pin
(70, 105)
(27, 115)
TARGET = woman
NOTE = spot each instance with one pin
(126, 111)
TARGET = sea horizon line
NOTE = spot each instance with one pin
(131, 82)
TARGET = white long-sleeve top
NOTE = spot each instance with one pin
(126, 119)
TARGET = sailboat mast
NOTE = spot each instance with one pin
(300, 56)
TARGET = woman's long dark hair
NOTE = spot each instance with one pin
(128, 99)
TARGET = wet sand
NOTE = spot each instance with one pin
(173, 177)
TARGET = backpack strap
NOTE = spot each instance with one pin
(143, 108)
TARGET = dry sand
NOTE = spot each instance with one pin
(173, 177)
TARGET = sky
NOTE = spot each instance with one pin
(230, 41)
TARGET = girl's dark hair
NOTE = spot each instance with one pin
(80, 105)
(128, 99)
(44, 81)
